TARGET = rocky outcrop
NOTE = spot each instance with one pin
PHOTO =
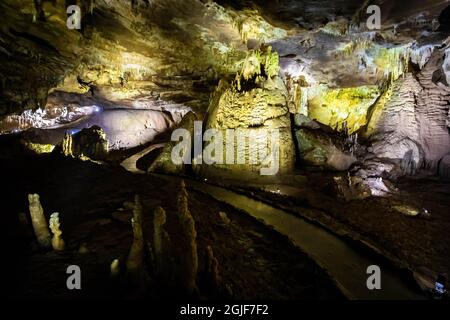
(409, 126)
(255, 106)
(164, 162)
(316, 148)
(91, 143)
(347, 106)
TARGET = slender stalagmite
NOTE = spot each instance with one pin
(38, 219)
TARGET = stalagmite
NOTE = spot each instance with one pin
(115, 268)
(54, 224)
(135, 261)
(187, 259)
(67, 145)
(38, 219)
(161, 247)
(212, 269)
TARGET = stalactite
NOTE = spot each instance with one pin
(38, 219)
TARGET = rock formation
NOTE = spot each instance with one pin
(58, 243)
(164, 163)
(185, 251)
(91, 143)
(115, 268)
(319, 149)
(255, 106)
(212, 270)
(66, 145)
(39, 222)
(135, 261)
(164, 266)
(409, 126)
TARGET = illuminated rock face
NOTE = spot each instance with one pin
(409, 122)
(140, 54)
(253, 105)
(343, 107)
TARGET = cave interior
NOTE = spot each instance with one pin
(225, 149)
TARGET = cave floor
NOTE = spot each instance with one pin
(419, 244)
(255, 262)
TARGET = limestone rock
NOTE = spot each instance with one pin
(334, 107)
(351, 188)
(405, 128)
(407, 210)
(446, 66)
(444, 167)
(255, 108)
(164, 163)
(318, 149)
(91, 143)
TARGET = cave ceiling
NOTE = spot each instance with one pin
(130, 53)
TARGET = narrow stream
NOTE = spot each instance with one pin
(347, 265)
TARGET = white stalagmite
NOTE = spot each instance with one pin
(54, 224)
(38, 219)
(115, 268)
